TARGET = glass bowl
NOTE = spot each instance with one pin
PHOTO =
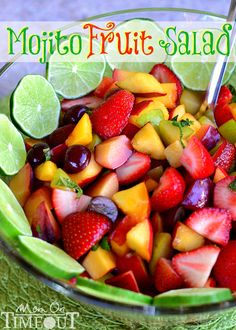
(10, 74)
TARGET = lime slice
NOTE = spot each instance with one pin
(73, 76)
(139, 62)
(104, 291)
(35, 107)
(48, 258)
(13, 221)
(192, 297)
(12, 148)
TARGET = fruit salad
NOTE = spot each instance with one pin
(132, 193)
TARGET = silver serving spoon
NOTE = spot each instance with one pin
(218, 72)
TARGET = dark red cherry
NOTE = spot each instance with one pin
(38, 154)
(60, 135)
(77, 157)
(74, 114)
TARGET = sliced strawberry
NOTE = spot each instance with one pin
(225, 95)
(225, 195)
(222, 113)
(165, 277)
(170, 191)
(90, 101)
(164, 75)
(67, 202)
(103, 87)
(197, 160)
(125, 281)
(130, 130)
(225, 156)
(110, 118)
(225, 268)
(118, 235)
(212, 223)
(134, 169)
(82, 230)
(195, 266)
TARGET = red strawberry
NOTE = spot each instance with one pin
(222, 113)
(110, 118)
(82, 230)
(225, 268)
(195, 266)
(134, 169)
(130, 130)
(170, 191)
(103, 87)
(118, 235)
(67, 202)
(225, 156)
(212, 223)
(125, 281)
(210, 283)
(225, 195)
(164, 75)
(165, 277)
(225, 95)
(197, 160)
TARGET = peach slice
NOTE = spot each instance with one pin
(120, 250)
(134, 201)
(185, 239)
(147, 141)
(140, 239)
(174, 152)
(232, 107)
(113, 152)
(195, 125)
(82, 133)
(21, 184)
(88, 174)
(178, 112)
(106, 186)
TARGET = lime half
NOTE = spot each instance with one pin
(49, 259)
(12, 147)
(73, 76)
(136, 62)
(35, 107)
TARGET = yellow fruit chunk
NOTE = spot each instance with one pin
(96, 140)
(203, 120)
(82, 133)
(21, 184)
(161, 249)
(140, 82)
(173, 153)
(192, 100)
(178, 112)
(233, 109)
(185, 239)
(147, 141)
(45, 171)
(169, 100)
(134, 201)
(98, 263)
(140, 239)
(120, 250)
(195, 125)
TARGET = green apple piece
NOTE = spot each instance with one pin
(48, 258)
(13, 221)
(111, 293)
(170, 133)
(192, 100)
(228, 130)
(204, 120)
(153, 116)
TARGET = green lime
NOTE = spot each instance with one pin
(12, 147)
(112, 293)
(136, 62)
(13, 221)
(73, 76)
(192, 297)
(48, 258)
(35, 107)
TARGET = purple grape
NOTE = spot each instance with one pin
(77, 157)
(60, 135)
(74, 114)
(105, 206)
(211, 138)
(171, 216)
(37, 154)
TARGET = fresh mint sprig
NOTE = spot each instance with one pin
(180, 124)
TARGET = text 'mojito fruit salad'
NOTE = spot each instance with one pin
(126, 194)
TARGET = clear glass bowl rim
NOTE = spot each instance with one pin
(72, 291)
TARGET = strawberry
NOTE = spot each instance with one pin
(170, 191)
(222, 113)
(82, 230)
(130, 130)
(134, 168)
(212, 223)
(164, 75)
(225, 96)
(111, 117)
(195, 266)
(125, 281)
(210, 283)
(67, 202)
(225, 195)
(165, 277)
(197, 160)
(122, 227)
(225, 268)
(225, 156)
(103, 87)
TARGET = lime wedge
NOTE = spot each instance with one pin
(35, 107)
(73, 76)
(139, 62)
(192, 297)
(48, 258)
(12, 148)
(13, 221)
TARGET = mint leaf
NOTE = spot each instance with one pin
(70, 184)
(180, 124)
(232, 185)
(95, 247)
(104, 244)
(47, 153)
